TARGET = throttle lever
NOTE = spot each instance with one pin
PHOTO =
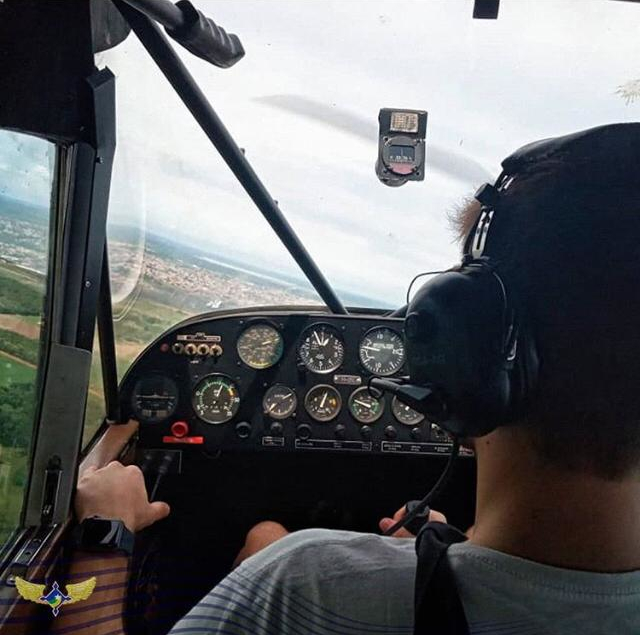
(163, 468)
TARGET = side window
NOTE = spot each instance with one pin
(26, 180)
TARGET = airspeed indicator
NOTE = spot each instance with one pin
(216, 399)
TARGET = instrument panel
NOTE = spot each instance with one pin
(276, 381)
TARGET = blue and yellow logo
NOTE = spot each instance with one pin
(55, 598)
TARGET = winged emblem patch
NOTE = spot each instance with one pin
(55, 598)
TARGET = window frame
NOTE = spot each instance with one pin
(80, 191)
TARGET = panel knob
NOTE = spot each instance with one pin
(243, 430)
(276, 429)
(365, 431)
(303, 431)
(341, 432)
(179, 429)
(416, 434)
(390, 432)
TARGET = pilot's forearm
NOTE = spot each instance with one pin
(103, 611)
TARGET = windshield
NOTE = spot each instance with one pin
(184, 236)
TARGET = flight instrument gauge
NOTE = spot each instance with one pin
(216, 399)
(260, 346)
(323, 402)
(279, 402)
(322, 349)
(364, 407)
(382, 351)
(404, 414)
(154, 398)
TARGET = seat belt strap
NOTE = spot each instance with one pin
(438, 609)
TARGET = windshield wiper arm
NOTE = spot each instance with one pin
(194, 99)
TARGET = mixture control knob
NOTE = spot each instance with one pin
(243, 430)
(341, 432)
(365, 431)
(390, 432)
(276, 429)
(416, 434)
(303, 431)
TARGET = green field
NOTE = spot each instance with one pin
(22, 291)
(15, 372)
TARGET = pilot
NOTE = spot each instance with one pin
(555, 546)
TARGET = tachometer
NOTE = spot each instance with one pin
(382, 351)
(279, 402)
(154, 398)
(364, 407)
(322, 349)
(260, 346)
(404, 414)
(216, 399)
(323, 402)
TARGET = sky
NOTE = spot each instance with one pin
(304, 104)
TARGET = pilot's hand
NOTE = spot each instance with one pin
(117, 492)
(386, 523)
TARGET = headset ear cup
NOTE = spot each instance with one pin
(455, 332)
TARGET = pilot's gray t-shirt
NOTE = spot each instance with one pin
(321, 582)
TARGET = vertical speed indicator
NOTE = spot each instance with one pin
(382, 351)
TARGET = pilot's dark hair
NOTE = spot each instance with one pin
(568, 243)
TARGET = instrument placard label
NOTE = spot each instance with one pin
(273, 442)
(404, 447)
(347, 380)
(329, 444)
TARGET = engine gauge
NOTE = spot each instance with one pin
(382, 351)
(216, 399)
(260, 346)
(364, 407)
(279, 402)
(323, 402)
(404, 414)
(154, 398)
(322, 349)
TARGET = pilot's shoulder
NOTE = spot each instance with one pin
(327, 554)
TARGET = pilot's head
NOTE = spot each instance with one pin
(566, 236)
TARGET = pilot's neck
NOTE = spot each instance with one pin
(550, 515)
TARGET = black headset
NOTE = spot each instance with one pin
(471, 352)
(467, 338)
